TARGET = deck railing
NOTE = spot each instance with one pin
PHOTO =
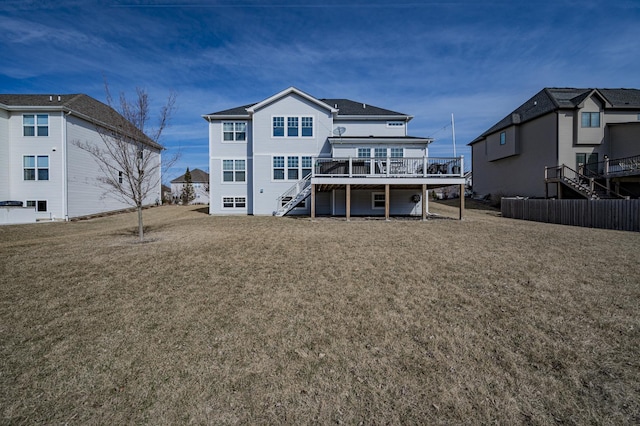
(389, 167)
(626, 165)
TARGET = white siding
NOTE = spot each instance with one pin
(85, 193)
(371, 127)
(50, 146)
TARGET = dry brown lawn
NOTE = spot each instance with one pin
(262, 320)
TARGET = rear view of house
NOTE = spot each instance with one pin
(563, 142)
(296, 154)
(40, 164)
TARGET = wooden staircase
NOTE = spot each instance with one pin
(586, 186)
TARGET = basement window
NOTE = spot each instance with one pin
(377, 200)
(39, 205)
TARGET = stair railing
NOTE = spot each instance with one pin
(584, 184)
(292, 192)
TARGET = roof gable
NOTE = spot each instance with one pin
(287, 92)
(338, 106)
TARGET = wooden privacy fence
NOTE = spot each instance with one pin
(622, 215)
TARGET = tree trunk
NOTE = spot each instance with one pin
(140, 228)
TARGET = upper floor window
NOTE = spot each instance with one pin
(380, 152)
(35, 125)
(234, 131)
(397, 152)
(503, 138)
(296, 126)
(395, 123)
(233, 170)
(292, 126)
(590, 119)
(278, 126)
(36, 167)
(307, 126)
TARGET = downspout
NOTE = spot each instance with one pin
(65, 174)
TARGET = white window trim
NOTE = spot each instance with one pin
(246, 131)
(234, 182)
(36, 205)
(395, 123)
(373, 200)
(372, 152)
(286, 126)
(36, 168)
(35, 125)
(235, 197)
(286, 167)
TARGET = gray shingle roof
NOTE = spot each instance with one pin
(345, 106)
(197, 176)
(82, 105)
(348, 107)
(551, 99)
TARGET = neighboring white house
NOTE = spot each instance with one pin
(296, 154)
(200, 182)
(41, 166)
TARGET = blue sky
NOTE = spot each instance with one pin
(476, 59)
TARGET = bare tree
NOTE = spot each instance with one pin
(129, 159)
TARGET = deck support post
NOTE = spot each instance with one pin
(313, 201)
(386, 202)
(348, 203)
(424, 202)
(461, 200)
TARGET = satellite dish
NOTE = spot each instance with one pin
(339, 131)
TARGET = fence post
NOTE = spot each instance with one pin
(461, 165)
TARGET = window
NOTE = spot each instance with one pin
(397, 152)
(380, 152)
(35, 125)
(39, 205)
(292, 126)
(234, 131)
(278, 168)
(307, 126)
(278, 126)
(292, 168)
(296, 126)
(36, 167)
(234, 202)
(307, 164)
(590, 119)
(395, 123)
(233, 170)
(377, 200)
(364, 152)
(301, 205)
(503, 138)
(295, 168)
